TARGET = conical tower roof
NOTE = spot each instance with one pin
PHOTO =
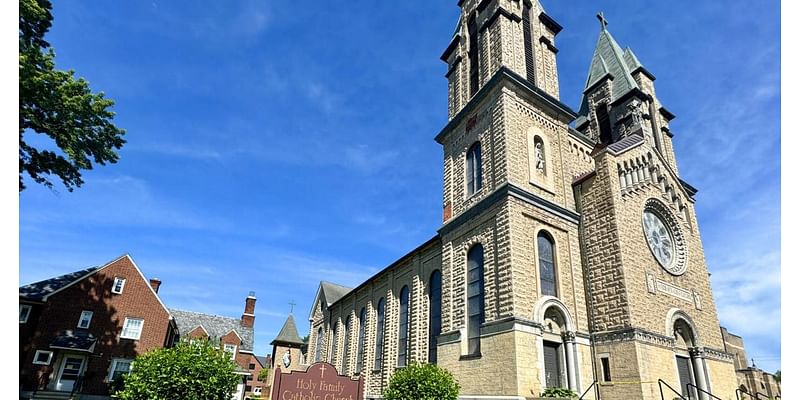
(288, 334)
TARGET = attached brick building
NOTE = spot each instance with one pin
(81, 330)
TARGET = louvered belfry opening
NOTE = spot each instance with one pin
(604, 124)
(527, 35)
(472, 27)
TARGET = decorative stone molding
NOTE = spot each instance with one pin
(634, 334)
(718, 355)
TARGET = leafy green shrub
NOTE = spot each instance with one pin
(422, 382)
(188, 371)
(560, 393)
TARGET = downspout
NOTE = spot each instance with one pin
(577, 192)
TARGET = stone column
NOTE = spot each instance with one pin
(569, 344)
(699, 371)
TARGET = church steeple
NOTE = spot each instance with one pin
(619, 99)
(492, 34)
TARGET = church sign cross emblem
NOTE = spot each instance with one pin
(320, 381)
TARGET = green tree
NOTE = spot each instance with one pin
(778, 376)
(561, 393)
(55, 104)
(188, 371)
(263, 375)
(422, 382)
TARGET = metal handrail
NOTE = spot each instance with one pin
(597, 391)
(661, 390)
(78, 384)
(689, 387)
(757, 395)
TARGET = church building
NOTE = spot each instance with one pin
(569, 252)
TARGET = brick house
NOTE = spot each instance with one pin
(80, 331)
(254, 386)
(234, 335)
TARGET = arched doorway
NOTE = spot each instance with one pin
(688, 356)
(557, 352)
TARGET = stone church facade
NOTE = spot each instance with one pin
(569, 252)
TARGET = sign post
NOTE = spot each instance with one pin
(320, 381)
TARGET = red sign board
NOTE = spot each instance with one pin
(320, 381)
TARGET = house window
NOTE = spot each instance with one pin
(249, 378)
(318, 351)
(435, 313)
(379, 337)
(85, 320)
(247, 388)
(362, 322)
(547, 267)
(119, 284)
(403, 347)
(474, 179)
(472, 28)
(230, 348)
(604, 363)
(24, 313)
(474, 298)
(119, 367)
(132, 329)
(42, 357)
(251, 366)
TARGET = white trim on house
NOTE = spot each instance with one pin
(27, 313)
(125, 324)
(237, 335)
(225, 347)
(113, 366)
(49, 357)
(88, 321)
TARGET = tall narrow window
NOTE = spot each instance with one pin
(527, 36)
(604, 123)
(85, 320)
(436, 315)
(547, 267)
(318, 350)
(346, 348)
(474, 298)
(362, 329)
(379, 336)
(472, 27)
(474, 178)
(335, 342)
(402, 349)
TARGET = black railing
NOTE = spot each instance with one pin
(661, 390)
(596, 389)
(689, 387)
(77, 386)
(41, 383)
(757, 395)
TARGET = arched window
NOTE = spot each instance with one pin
(402, 345)
(474, 178)
(335, 341)
(346, 348)
(547, 266)
(435, 314)
(474, 298)
(379, 336)
(318, 350)
(604, 124)
(362, 328)
(472, 28)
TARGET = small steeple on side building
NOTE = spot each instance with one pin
(287, 348)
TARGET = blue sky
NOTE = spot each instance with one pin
(272, 145)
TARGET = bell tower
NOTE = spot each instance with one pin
(490, 34)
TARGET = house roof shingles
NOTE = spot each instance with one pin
(216, 326)
(37, 291)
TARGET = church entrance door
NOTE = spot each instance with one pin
(685, 375)
(552, 365)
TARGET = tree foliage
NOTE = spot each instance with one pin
(778, 376)
(422, 382)
(560, 393)
(188, 371)
(55, 104)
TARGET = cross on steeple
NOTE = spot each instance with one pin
(603, 20)
(292, 303)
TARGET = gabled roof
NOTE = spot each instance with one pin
(262, 360)
(333, 292)
(288, 333)
(216, 326)
(37, 291)
(610, 59)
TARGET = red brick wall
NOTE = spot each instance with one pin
(63, 310)
(251, 359)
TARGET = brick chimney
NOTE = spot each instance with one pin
(155, 283)
(249, 317)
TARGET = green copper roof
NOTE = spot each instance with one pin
(288, 333)
(609, 58)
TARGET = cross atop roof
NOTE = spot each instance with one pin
(603, 20)
(292, 303)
